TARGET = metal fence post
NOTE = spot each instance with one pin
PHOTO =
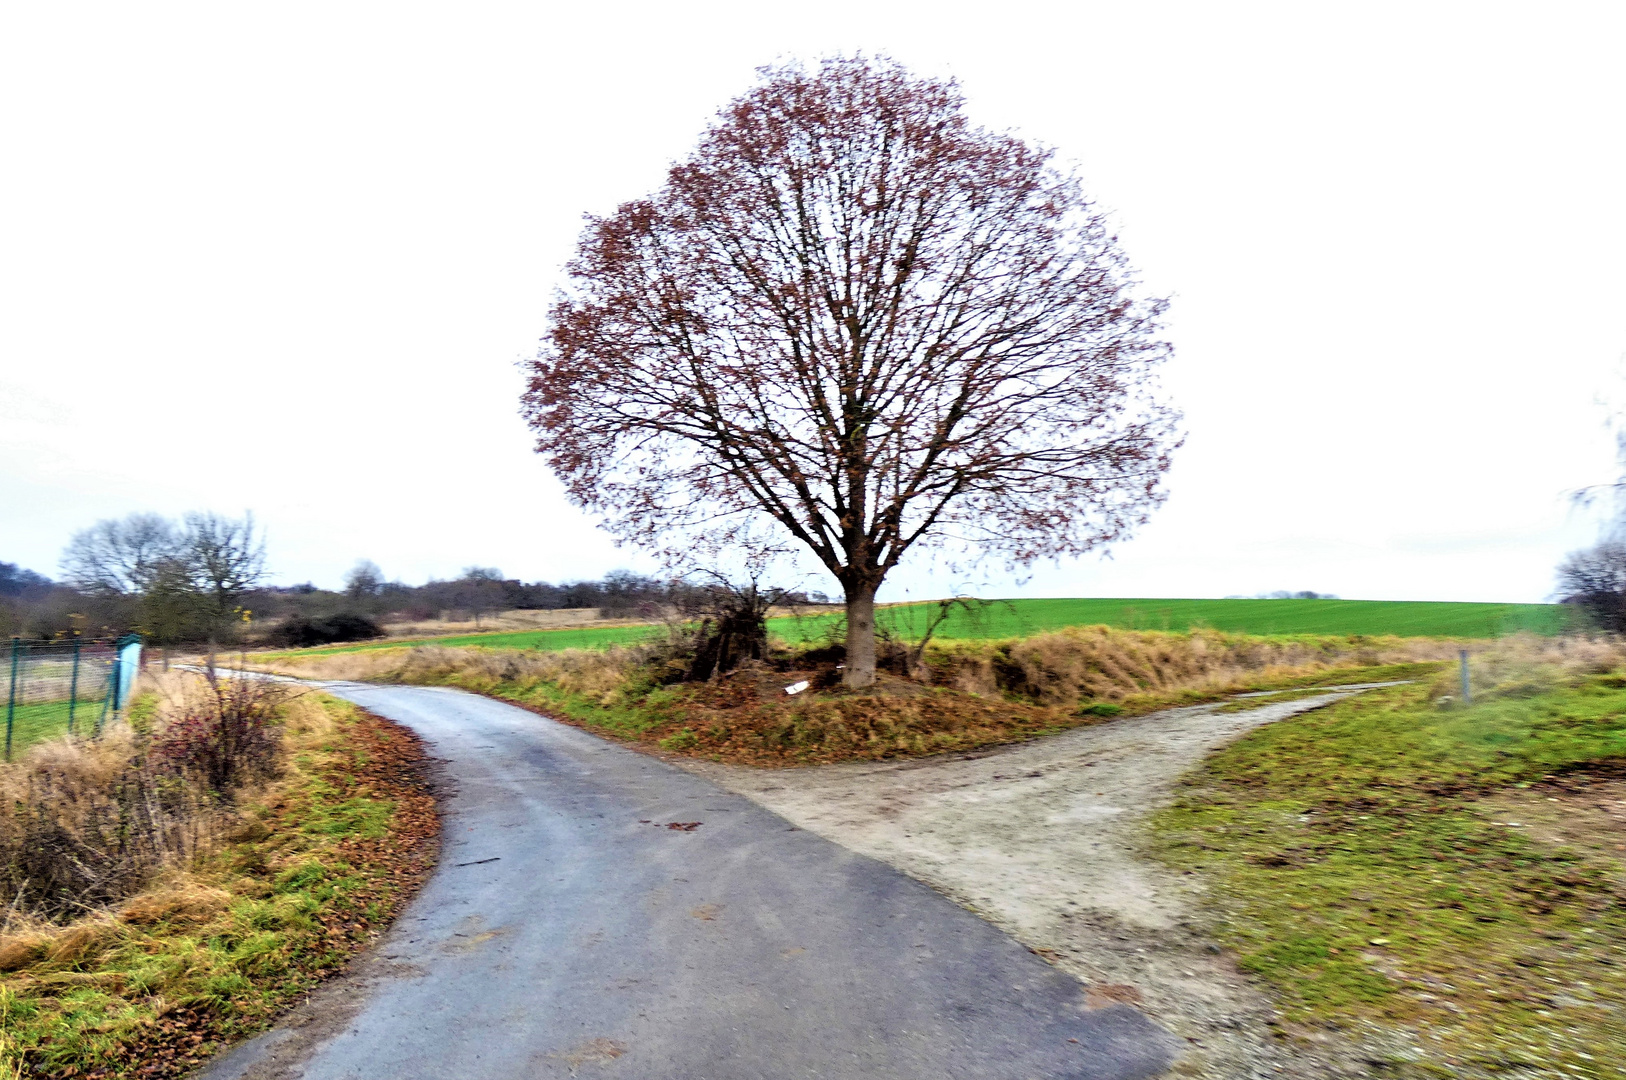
(73, 683)
(11, 696)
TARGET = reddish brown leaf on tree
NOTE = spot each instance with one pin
(854, 313)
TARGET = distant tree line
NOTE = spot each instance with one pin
(174, 581)
(1594, 581)
(202, 579)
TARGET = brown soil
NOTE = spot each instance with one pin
(1585, 810)
(747, 718)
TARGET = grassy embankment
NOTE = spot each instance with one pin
(971, 693)
(1024, 618)
(1458, 873)
(288, 879)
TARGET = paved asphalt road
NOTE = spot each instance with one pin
(570, 932)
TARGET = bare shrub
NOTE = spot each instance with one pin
(85, 824)
(222, 733)
(88, 824)
(1595, 581)
(727, 626)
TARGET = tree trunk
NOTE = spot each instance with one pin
(860, 637)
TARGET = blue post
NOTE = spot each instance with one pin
(11, 697)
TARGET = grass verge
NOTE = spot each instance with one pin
(744, 718)
(318, 866)
(1375, 863)
(965, 695)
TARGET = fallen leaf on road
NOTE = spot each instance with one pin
(1099, 997)
(593, 1051)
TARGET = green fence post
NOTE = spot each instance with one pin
(11, 696)
(73, 683)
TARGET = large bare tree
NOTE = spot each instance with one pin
(855, 314)
(189, 577)
(226, 557)
(121, 557)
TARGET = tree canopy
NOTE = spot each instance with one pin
(854, 314)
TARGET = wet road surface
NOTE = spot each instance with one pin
(600, 913)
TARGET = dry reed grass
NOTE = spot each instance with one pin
(89, 822)
(1089, 663)
(211, 947)
(149, 878)
(1098, 663)
(93, 823)
(1526, 664)
(593, 673)
(507, 622)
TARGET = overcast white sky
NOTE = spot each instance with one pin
(285, 258)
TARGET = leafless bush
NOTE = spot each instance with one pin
(222, 733)
(86, 824)
(1595, 581)
(717, 625)
(90, 823)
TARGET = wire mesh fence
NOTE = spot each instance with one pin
(71, 687)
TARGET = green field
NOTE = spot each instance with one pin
(1019, 618)
(30, 724)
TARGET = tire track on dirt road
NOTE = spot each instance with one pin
(582, 924)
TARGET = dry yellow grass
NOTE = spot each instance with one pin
(590, 672)
(507, 622)
(1098, 663)
(65, 784)
(218, 938)
(1526, 664)
(1095, 663)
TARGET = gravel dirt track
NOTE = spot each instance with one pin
(598, 912)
